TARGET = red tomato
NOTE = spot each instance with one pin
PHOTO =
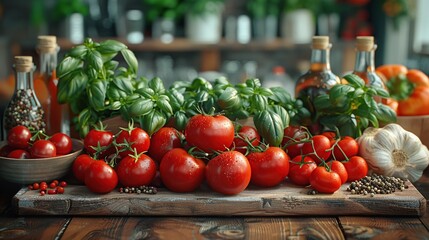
(136, 138)
(331, 135)
(346, 148)
(356, 167)
(135, 171)
(209, 133)
(325, 181)
(181, 172)
(300, 170)
(100, 177)
(96, 139)
(62, 142)
(43, 149)
(293, 135)
(80, 164)
(339, 168)
(269, 168)
(228, 173)
(19, 137)
(19, 153)
(162, 141)
(246, 133)
(318, 148)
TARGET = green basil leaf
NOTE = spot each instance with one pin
(202, 96)
(146, 92)
(253, 83)
(381, 92)
(385, 114)
(114, 93)
(152, 122)
(78, 52)
(354, 80)
(322, 102)
(94, 60)
(180, 120)
(131, 60)
(264, 91)
(284, 115)
(73, 87)
(373, 120)
(110, 46)
(340, 91)
(164, 105)
(270, 127)
(116, 105)
(67, 65)
(201, 83)
(176, 98)
(157, 85)
(280, 95)
(357, 93)
(140, 107)
(124, 84)
(229, 99)
(97, 94)
(259, 102)
(111, 65)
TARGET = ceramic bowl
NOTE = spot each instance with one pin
(27, 171)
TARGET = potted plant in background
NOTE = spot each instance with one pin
(203, 20)
(70, 14)
(264, 15)
(298, 20)
(163, 15)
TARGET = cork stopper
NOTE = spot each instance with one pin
(47, 44)
(320, 42)
(23, 63)
(364, 43)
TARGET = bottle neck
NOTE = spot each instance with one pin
(320, 60)
(364, 61)
(24, 80)
(48, 62)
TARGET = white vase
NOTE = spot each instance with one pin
(298, 26)
(205, 27)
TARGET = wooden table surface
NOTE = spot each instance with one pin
(308, 227)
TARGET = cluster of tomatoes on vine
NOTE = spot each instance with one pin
(22, 143)
(212, 149)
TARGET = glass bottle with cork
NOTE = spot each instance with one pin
(24, 107)
(57, 115)
(319, 78)
(364, 64)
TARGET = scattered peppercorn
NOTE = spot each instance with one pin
(377, 184)
(139, 190)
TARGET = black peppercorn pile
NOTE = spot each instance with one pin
(377, 184)
(139, 190)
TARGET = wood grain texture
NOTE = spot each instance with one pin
(383, 228)
(202, 228)
(284, 200)
(32, 227)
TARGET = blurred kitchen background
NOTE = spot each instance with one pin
(180, 39)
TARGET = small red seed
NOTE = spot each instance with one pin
(56, 182)
(30, 187)
(63, 184)
(60, 190)
(43, 187)
(52, 185)
(36, 186)
(42, 193)
(52, 191)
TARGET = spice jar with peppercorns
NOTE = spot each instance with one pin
(24, 108)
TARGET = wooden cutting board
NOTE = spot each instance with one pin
(284, 200)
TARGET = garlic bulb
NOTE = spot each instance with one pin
(393, 151)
